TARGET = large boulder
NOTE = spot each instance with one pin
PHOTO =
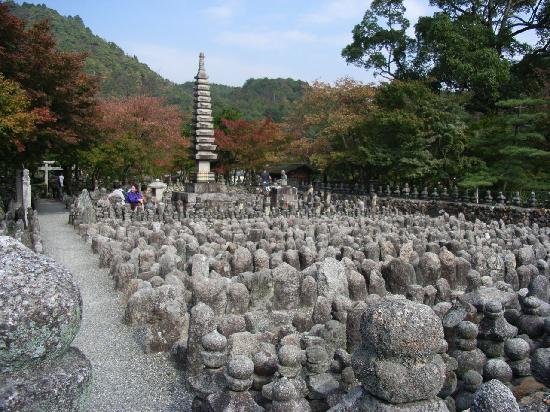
(40, 307)
(40, 314)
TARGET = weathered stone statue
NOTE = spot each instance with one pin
(398, 364)
(284, 179)
(41, 310)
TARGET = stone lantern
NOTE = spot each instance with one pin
(157, 189)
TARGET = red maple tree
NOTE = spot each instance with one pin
(251, 143)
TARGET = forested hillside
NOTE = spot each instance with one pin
(122, 75)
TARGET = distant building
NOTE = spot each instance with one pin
(297, 173)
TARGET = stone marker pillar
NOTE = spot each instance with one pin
(157, 189)
(26, 195)
(19, 188)
(398, 363)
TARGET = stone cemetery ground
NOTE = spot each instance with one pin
(235, 307)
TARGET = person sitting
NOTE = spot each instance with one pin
(134, 197)
(117, 195)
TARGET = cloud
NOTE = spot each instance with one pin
(265, 39)
(224, 10)
(337, 10)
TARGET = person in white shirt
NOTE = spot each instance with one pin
(117, 194)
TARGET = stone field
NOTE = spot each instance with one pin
(340, 308)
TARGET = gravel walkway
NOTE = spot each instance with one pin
(124, 378)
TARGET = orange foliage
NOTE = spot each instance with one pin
(151, 126)
(251, 143)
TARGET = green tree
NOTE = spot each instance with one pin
(459, 55)
(415, 134)
(505, 20)
(512, 147)
(383, 48)
(467, 46)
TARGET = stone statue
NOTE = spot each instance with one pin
(284, 179)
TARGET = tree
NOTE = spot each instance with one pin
(325, 126)
(467, 46)
(381, 48)
(55, 87)
(17, 120)
(505, 19)
(459, 55)
(414, 134)
(226, 158)
(140, 135)
(252, 143)
(512, 147)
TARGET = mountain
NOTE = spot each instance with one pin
(124, 75)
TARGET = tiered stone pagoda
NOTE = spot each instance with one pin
(203, 127)
(203, 136)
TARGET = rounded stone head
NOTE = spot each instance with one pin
(402, 328)
(284, 391)
(239, 372)
(494, 396)
(290, 360)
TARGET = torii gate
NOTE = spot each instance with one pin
(47, 168)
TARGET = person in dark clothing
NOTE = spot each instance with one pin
(265, 178)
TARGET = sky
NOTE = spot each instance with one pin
(241, 39)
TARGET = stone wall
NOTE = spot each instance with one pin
(471, 211)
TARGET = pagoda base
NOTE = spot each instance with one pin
(189, 198)
(205, 187)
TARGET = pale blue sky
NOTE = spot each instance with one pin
(301, 39)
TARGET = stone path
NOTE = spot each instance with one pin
(124, 378)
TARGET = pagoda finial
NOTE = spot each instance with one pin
(201, 74)
(201, 61)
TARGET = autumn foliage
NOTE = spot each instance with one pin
(325, 123)
(251, 144)
(45, 86)
(139, 135)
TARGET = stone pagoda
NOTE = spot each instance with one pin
(203, 181)
(203, 128)
(203, 134)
